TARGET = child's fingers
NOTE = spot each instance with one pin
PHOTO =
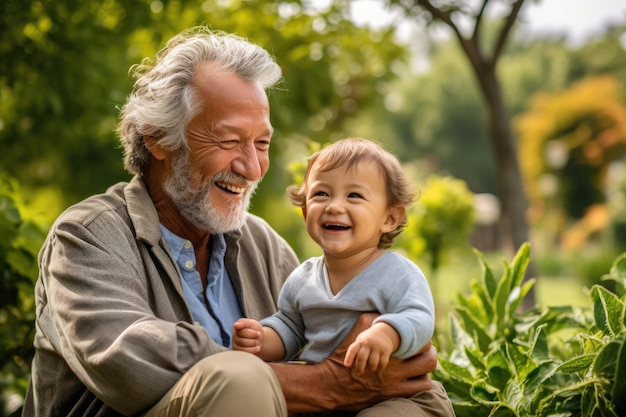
(353, 350)
(362, 359)
(247, 333)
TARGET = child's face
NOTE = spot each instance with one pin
(346, 210)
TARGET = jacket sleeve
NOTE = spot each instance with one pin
(98, 295)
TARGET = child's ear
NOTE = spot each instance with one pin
(154, 147)
(303, 212)
(395, 215)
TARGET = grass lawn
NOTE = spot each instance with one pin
(553, 291)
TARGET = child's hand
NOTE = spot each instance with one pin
(372, 348)
(247, 335)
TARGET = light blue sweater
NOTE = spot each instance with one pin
(310, 315)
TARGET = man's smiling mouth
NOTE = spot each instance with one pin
(231, 188)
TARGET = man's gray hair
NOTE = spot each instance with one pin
(163, 100)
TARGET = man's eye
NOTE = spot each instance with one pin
(228, 143)
(263, 145)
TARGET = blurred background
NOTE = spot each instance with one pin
(509, 116)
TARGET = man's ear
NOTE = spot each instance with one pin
(154, 147)
(394, 217)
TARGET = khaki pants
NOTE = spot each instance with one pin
(237, 384)
(228, 384)
(431, 403)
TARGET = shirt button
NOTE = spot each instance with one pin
(187, 244)
(188, 264)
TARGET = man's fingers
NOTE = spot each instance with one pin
(363, 323)
(421, 364)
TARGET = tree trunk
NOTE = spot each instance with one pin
(513, 223)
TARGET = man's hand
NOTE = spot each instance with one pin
(401, 378)
(329, 385)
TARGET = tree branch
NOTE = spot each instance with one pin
(479, 18)
(470, 46)
(508, 25)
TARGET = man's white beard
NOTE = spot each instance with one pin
(191, 195)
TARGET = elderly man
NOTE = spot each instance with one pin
(139, 287)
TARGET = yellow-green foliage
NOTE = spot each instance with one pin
(20, 239)
(585, 125)
(441, 219)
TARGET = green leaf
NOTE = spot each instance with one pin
(475, 360)
(513, 395)
(481, 293)
(523, 291)
(520, 263)
(498, 368)
(521, 363)
(538, 376)
(618, 271)
(578, 364)
(459, 336)
(460, 373)
(501, 298)
(608, 310)
(618, 391)
(605, 363)
(488, 280)
(474, 327)
(539, 344)
(483, 393)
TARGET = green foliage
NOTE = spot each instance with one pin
(19, 244)
(441, 219)
(556, 361)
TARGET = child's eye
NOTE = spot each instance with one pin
(320, 194)
(355, 195)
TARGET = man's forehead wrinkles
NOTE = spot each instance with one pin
(224, 128)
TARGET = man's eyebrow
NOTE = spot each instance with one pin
(220, 130)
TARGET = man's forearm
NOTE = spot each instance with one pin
(330, 386)
(304, 387)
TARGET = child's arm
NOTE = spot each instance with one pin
(250, 336)
(372, 348)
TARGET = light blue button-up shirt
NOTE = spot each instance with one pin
(223, 306)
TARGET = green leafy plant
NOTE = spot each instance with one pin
(553, 361)
(442, 219)
(20, 240)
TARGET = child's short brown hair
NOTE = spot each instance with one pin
(349, 152)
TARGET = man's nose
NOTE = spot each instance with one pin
(249, 163)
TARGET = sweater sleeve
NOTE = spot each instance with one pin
(408, 306)
(288, 321)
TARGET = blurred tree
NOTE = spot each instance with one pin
(21, 238)
(441, 220)
(435, 113)
(63, 73)
(483, 53)
(568, 140)
(60, 78)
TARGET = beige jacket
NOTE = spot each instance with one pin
(113, 331)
